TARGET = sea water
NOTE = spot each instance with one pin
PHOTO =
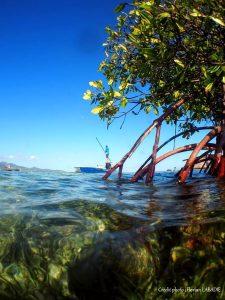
(74, 236)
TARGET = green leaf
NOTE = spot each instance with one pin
(161, 83)
(196, 13)
(179, 62)
(97, 84)
(122, 47)
(150, 54)
(123, 102)
(164, 15)
(110, 81)
(117, 94)
(214, 56)
(120, 7)
(147, 109)
(87, 95)
(176, 94)
(124, 85)
(156, 110)
(136, 31)
(223, 79)
(182, 78)
(154, 40)
(208, 88)
(97, 109)
(132, 38)
(181, 28)
(214, 69)
(217, 20)
(204, 72)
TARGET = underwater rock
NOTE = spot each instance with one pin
(94, 275)
(111, 268)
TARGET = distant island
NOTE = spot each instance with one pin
(5, 166)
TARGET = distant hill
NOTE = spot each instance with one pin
(5, 165)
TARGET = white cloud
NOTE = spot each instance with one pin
(6, 157)
(33, 157)
(19, 157)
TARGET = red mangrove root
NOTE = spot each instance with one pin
(151, 170)
(190, 147)
(186, 169)
(155, 123)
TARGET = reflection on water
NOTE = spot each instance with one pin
(74, 236)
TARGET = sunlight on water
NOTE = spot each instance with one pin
(74, 236)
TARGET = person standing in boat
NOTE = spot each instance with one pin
(108, 163)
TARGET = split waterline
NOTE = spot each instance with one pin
(74, 236)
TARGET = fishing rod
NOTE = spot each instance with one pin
(101, 147)
(100, 144)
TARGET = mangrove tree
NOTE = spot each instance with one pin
(167, 57)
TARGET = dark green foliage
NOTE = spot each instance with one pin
(161, 51)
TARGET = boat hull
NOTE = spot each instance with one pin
(89, 170)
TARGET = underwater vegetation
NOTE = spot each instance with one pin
(99, 253)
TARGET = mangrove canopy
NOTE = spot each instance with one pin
(167, 57)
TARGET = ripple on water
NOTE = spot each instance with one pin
(64, 234)
(164, 198)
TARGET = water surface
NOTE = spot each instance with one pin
(74, 236)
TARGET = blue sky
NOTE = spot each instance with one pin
(50, 50)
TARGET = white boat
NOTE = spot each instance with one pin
(90, 170)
